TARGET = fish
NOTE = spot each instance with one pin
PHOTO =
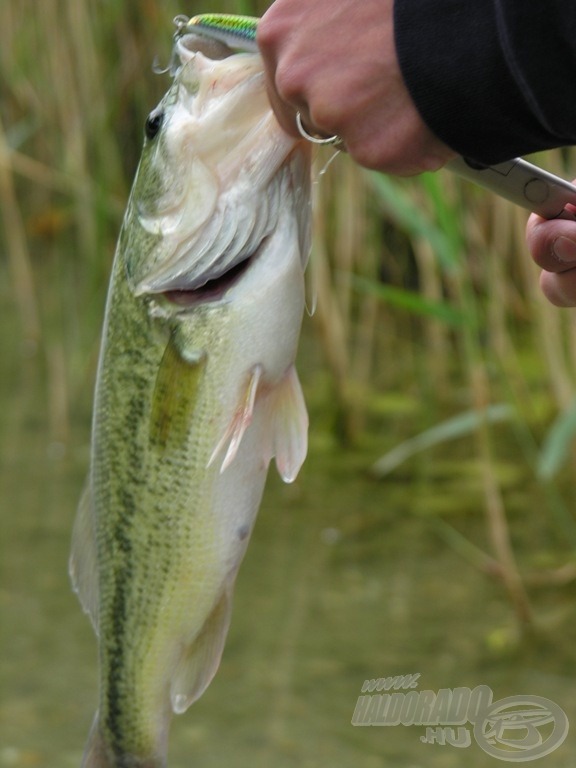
(196, 392)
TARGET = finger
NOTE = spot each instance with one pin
(272, 34)
(552, 244)
(559, 289)
(285, 113)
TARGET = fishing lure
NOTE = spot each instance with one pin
(236, 32)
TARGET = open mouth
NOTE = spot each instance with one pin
(212, 290)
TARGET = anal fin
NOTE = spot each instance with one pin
(201, 659)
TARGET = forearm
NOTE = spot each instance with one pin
(491, 78)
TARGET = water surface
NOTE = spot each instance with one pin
(345, 579)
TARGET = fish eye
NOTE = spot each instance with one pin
(153, 124)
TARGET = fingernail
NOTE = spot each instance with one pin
(564, 249)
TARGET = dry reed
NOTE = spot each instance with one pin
(77, 86)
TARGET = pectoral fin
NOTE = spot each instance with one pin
(200, 661)
(82, 566)
(239, 423)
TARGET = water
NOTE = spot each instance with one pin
(345, 579)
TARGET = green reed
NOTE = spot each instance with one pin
(449, 270)
(424, 286)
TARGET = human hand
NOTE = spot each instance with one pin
(335, 62)
(552, 244)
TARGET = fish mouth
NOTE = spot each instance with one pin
(212, 290)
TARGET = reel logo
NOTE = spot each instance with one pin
(515, 729)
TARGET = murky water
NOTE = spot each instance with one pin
(344, 580)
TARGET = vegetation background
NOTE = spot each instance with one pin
(432, 363)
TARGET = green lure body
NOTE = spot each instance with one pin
(236, 32)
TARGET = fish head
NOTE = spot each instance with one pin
(215, 171)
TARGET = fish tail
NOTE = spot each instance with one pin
(97, 754)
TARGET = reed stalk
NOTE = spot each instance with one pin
(17, 247)
(424, 286)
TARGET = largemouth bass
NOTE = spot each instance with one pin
(196, 392)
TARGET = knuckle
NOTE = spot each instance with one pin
(323, 118)
(364, 158)
(391, 153)
(267, 34)
(290, 82)
(374, 155)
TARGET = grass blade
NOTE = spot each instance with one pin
(411, 301)
(556, 448)
(457, 426)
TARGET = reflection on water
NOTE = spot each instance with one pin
(342, 582)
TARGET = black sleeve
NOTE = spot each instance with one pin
(492, 78)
